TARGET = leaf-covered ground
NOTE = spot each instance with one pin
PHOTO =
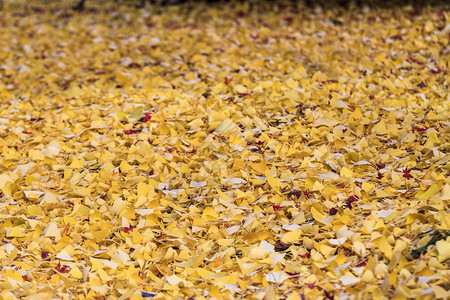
(224, 151)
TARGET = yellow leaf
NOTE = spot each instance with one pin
(327, 251)
(316, 214)
(260, 167)
(227, 125)
(13, 274)
(256, 253)
(388, 83)
(317, 186)
(52, 230)
(346, 172)
(439, 292)
(125, 167)
(432, 190)
(292, 236)
(293, 84)
(380, 128)
(203, 273)
(273, 182)
(49, 198)
(81, 211)
(193, 262)
(76, 273)
(432, 140)
(4, 178)
(384, 246)
(209, 213)
(77, 163)
(446, 192)
(368, 276)
(443, 248)
(15, 232)
(238, 88)
(429, 26)
(367, 186)
(142, 189)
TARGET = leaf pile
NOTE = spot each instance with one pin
(224, 151)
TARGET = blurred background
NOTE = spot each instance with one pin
(98, 4)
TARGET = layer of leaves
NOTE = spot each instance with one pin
(224, 151)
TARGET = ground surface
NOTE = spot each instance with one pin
(224, 151)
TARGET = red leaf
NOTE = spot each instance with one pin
(289, 19)
(350, 200)
(379, 175)
(147, 118)
(297, 194)
(362, 263)
(380, 166)
(276, 207)
(128, 229)
(228, 80)
(131, 131)
(62, 269)
(328, 295)
(422, 85)
(292, 274)
(406, 173)
(193, 150)
(241, 14)
(420, 129)
(436, 70)
(353, 198)
(44, 255)
(134, 65)
(312, 285)
(173, 150)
